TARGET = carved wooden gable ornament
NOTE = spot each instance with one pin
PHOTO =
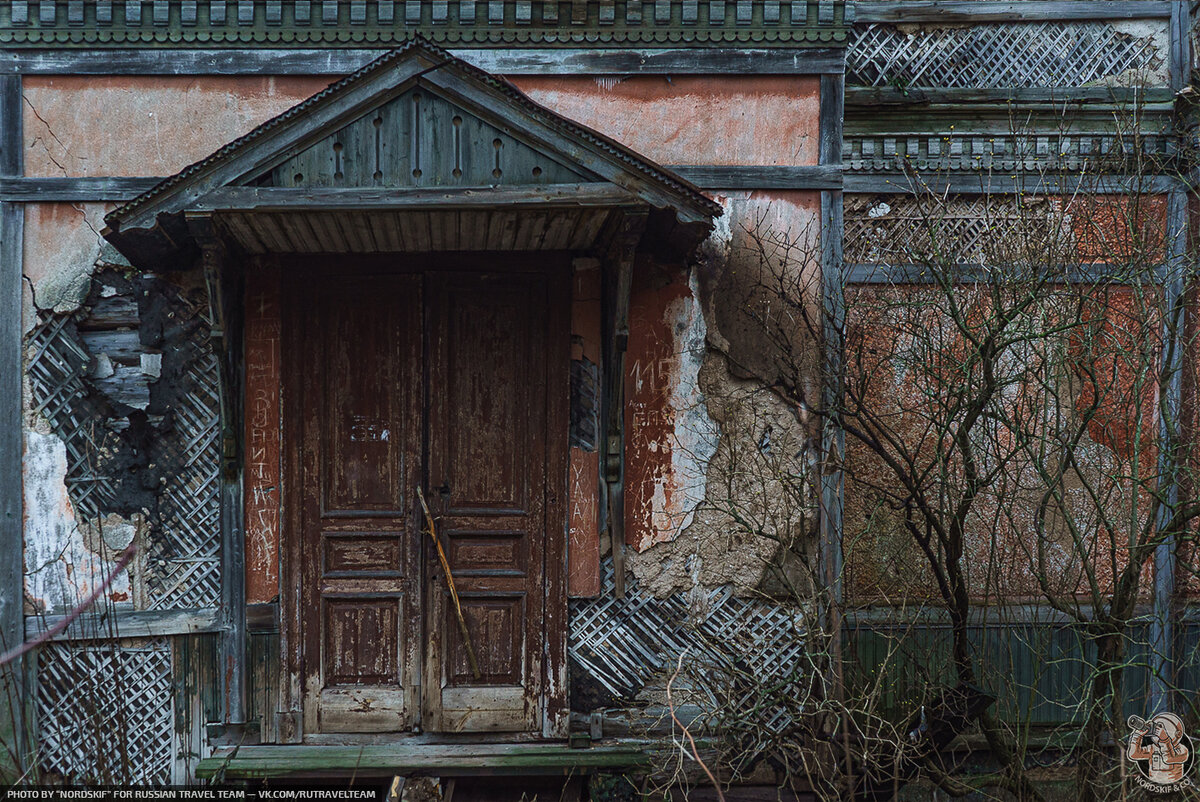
(417, 151)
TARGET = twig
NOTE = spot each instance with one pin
(688, 735)
(78, 610)
(462, 621)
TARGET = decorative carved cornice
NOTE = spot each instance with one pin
(449, 23)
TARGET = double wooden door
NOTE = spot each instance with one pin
(451, 382)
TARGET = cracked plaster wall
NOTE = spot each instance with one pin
(719, 467)
(702, 391)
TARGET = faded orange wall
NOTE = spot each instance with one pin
(145, 125)
(157, 125)
(694, 119)
(882, 561)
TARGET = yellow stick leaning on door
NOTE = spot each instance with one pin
(462, 621)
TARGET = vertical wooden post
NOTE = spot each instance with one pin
(833, 441)
(620, 279)
(1162, 631)
(225, 335)
(13, 722)
(832, 438)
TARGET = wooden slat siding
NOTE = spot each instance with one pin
(833, 445)
(955, 11)
(12, 630)
(516, 61)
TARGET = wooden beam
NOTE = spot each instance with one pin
(868, 100)
(517, 61)
(833, 439)
(959, 11)
(823, 176)
(445, 760)
(707, 176)
(282, 199)
(1004, 183)
(261, 618)
(73, 190)
(15, 681)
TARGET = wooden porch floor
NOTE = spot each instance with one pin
(438, 760)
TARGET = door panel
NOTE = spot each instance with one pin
(455, 382)
(362, 432)
(487, 434)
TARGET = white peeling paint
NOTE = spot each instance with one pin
(696, 434)
(60, 570)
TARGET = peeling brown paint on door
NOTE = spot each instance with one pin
(454, 381)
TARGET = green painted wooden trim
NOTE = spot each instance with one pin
(319, 760)
(798, 23)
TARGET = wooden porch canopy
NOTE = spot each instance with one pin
(417, 151)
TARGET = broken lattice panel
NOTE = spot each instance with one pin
(901, 230)
(183, 565)
(1019, 54)
(624, 643)
(105, 712)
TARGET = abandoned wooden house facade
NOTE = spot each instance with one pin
(310, 306)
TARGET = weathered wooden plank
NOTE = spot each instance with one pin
(988, 183)
(872, 98)
(12, 219)
(271, 199)
(824, 176)
(128, 624)
(441, 759)
(959, 11)
(833, 439)
(714, 61)
(705, 176)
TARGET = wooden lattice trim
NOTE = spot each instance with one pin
(106, 712)
(902, 230)
(625, 642)
(1024, 54)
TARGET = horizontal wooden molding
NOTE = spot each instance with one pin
(460, 23)
(759, 59)
(149, 623)
(960, 11)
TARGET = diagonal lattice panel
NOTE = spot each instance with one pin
(57, 364)
(1023, 54)
(105, 713)
(624, 643)
(902, 229)
(177, 482)
(187, 552)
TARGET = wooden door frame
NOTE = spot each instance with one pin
(555, 712)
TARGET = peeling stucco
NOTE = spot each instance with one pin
(64, 561)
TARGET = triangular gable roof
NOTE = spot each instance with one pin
(153, 223)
